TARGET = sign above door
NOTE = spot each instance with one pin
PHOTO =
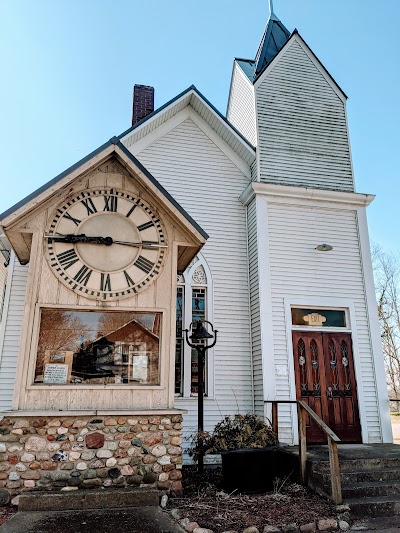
(334, 318)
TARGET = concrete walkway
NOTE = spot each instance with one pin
(390, 524)
(134, 520)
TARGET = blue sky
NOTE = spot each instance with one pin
(68, 68)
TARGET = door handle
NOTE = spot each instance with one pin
(329, 393)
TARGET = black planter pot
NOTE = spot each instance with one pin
(249, 470)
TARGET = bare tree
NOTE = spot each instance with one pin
(387, 284)
(59, 331)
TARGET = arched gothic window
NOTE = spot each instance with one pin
(193, 302)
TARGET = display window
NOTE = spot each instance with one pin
(91, 347)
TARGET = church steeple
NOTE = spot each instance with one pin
(274, 37)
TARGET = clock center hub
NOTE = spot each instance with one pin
(108, 258)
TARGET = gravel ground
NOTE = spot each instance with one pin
(207, 504)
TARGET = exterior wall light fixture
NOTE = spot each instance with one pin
(324, 248)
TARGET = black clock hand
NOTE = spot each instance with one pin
(73, 239)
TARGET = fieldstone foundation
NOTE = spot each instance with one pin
(67, 453)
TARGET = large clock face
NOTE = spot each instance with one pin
(106, 244)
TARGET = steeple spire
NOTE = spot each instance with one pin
(275, 36)
(271, 7)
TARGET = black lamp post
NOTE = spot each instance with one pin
(200, 334)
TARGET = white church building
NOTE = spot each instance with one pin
(250, 221)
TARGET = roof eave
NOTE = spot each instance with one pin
(194, 91)
(113, 145)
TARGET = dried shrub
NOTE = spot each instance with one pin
(233, 433)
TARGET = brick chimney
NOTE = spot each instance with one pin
(143, 102)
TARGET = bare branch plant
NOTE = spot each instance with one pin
(387, 284)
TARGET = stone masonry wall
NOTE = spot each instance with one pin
(67, 453)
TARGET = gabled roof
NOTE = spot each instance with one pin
(274, 37)
(115, 144)
(248, 66)
(13, 218)
(193, 97)
(296, 36)
(133, 321)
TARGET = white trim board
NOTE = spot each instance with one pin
(266, 319)
(374, 328)
(306, 195)
(258, 151)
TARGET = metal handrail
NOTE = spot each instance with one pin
(302, 411)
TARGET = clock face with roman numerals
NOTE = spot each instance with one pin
(106, 244)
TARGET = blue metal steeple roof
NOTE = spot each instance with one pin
(275, 36)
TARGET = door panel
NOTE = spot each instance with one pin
(341, 387)
(325, 380)
(310, 378)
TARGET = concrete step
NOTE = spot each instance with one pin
(360, 476)
(88, 499)
(370, 476)
(352, 465)
(374, 506)
(361, 490)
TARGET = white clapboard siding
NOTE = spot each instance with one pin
(12, 331)
(241, 107)
(299, 271)
(193, 99)
(208, 185)
(255, 308)
(303, 134)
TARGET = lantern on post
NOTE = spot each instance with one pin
(198, 335)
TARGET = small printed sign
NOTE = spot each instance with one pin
(314, 319)
(54, 373)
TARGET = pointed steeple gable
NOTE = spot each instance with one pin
(275, 36)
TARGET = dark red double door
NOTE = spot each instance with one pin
(325, 380)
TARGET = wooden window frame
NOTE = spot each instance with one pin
(31, 385)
